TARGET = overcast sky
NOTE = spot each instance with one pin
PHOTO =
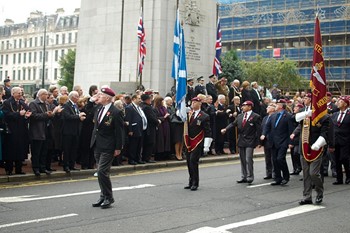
(19, 10)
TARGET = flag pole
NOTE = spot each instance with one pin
(139, 44)
(177, 8)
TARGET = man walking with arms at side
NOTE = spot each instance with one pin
(107, 140)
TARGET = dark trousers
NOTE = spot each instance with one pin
(70, 149)
(39, 154)
(328, 158)
(135, 145)
(269, 162)
(312, 176)
(104, 163)
(231, 138)
(87, 158)
(341, 154)
(147, 151)
(9, 165)
(280, 163)
(192, 159)
(294, 153)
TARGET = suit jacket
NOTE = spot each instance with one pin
(108, 135)
(38, 127)
(256, 100)
(135, 120)
(332, 108)
(267, 143)
(248, 136)
(234, 91)
(211, 90)
(280, 135)
(71, 120)
(198, 124)
(199, 89)
(152, 123)
(341, 133)
(221, 117)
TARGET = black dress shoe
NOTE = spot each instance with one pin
(267, 177)
(20, 173)
(319, 199)
(74, 169)
(45, 171)
(275, 183)
(249, 181)
(337, 182)
(107, 203)
(347, 181)
(36, 173)
(305, 202)
(132, 163)
(294, 173)
(241, 181)
(194, 188)
(140, 162)
(8, 173)
(188, 187)
(67, 170)
(284, 182)
(98, 202)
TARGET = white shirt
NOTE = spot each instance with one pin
(195, 113)
(340, 120)
(248, 114)
(105, 110)
(143, 116)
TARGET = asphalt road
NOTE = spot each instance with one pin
(155, 201)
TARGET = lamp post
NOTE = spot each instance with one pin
(44, 56)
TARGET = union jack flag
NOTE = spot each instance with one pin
(142, 45)
(217, 61)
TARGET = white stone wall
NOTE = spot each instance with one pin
(98, 47)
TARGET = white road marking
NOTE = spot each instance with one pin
(266, 218)
(258, 185)
(37, 220)
(36, 198)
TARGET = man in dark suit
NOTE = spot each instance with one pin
(221, 122)
(341, 126)
(70, 131)
(39, 132)
(235, 90)
(267, 143)
(233, 110)
(149, 136)
(137, 124)
(190, 91)
(249, 129)
(280, 127)
(197, 139)
(200, 88)
(211, 89)
(256, 97)
(107, 140)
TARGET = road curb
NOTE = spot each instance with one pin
(117, 170)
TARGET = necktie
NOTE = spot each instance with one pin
(244, 119)
(76, 109)
(144, 119)
(278, 119)
(100, 114)
(340, 118)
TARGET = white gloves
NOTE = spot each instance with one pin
(319, 143)
(302, 115)
(207, 143)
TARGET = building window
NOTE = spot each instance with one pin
(1, 59)
(19, 75)
(76, 37)
(6, 73)
(29, 57)
(56, 55)
(55, 74)
(46, 56)
(46, 73)
(25, 43)
(63, 38)
(62, 53)
(0, 75)
(41, 57)
(24, 57)
(14, 75)
(34, 73)
(35, 41)
(2, 45)
(15, 44)
(34, 57)
(6, 59)
(69, 38)
(57, 38)
(29, 74)
(7, 44)
(24, 74)
(19, 58)
(31, 42)
(41, 40)
(14, 59)
(47, 41)
(20, 43)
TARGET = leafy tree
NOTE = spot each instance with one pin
(232, 66)
(67, 64)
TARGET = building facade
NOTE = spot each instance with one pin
(30, 51)
(285, 28)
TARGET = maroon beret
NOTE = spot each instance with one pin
(248, 102)
(281, 101)
(346, 100)
(197, 99)
(108, 91)
(299, 105)
(308, 95)
(329, 94)
(148, 92)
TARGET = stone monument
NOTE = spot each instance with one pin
(107, 46)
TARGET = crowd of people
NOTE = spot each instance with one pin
(57, 126)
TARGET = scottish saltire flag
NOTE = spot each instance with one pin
(142, 45)
(179, 69)
(217, 61)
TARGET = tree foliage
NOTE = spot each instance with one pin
(67, 63)
(232, 67)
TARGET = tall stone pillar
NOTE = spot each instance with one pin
(107, 37)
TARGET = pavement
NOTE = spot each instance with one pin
(60, 174)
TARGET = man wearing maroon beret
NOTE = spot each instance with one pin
(107, 140)
(249, 130)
